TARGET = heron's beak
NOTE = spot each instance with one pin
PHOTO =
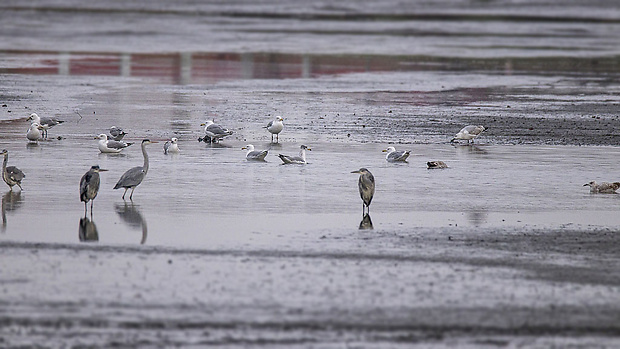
(585, 185)
(154, 142)
(355, 172)
(102, 170)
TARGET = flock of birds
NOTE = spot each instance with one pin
(214, 133)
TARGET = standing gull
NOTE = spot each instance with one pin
(134, 176)
(394, 155)
(275, 127)
(603, 188)
(301, 159)
(34, 132)
(45, 122)
(171, 146)
(110, 146)
(469, 133)
(258, 155)
(116, 133)
(366, 186)
(89, 187)
(213, 132)
(11, 174)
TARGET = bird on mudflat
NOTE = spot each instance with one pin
(116, 133)
(110, 146)
(394, 155)
(171, 146)
(301, 159)
(45, 122)
(89, 187)
(436, 164)
(469, 133)
(366, 186)
(213, 132)
(258, 155)
(603, 188)
(34, 132)
(134, 176)
(11, 174)
(275, 127)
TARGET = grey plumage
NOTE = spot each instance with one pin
(301, 159)
(116, 133)
(134, 176)
(252, 154)
(89, 186)
(214, 132)
(469, 133)
(366, 185)
(603, 188)
(11, 174)
(45, 122)
(394, 155)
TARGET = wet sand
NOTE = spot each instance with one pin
(506, 247)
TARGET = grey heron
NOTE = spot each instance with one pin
(89, 187)
(436, 164)
(171, 146)
(110, 146)
(469, 133)
(301, 159)
(11, 174)
(116, 133)
(275, 127)
(258, 155)
(603, 188)
(45, 122)
(213, 132)
(394, 155)
(134, 176)
(366, 186)
(34, 132)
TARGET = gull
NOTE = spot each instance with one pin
(301, 159)
(604, 188)
(34, 132)
(213, 132)
(258, 155)
(110, 146)
(436, 164)
(116, 133)
(469, 133)
(366, 186)
(394, 155)
(45, 122)
(275, 127)
(134, 176)
(11, 174)
(89, 187)
(171, 146)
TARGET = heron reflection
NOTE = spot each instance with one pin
(11, 201)
(366, 223)
(130, 214)
(87, 231)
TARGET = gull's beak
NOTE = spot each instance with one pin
(308, 149)
(203, 124)
(244, 148)
(96, 138)
(384, 151)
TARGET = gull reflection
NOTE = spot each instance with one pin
(366, 223)
(88, 230)
(130, 214)
(469, 148)
(477, 216)
(11, 201)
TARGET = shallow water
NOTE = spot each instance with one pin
(506, 247)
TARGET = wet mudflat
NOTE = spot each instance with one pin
(506, 247)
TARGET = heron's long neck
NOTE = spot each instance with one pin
(146, 158)
(6, 159)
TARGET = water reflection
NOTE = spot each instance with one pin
(477, 216)
(87, 231)
(11, 201)
(469, 148)
(130, 214)
(366, 223)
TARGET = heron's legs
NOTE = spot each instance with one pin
(86, 208)
(131, 195)
(125, 193)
